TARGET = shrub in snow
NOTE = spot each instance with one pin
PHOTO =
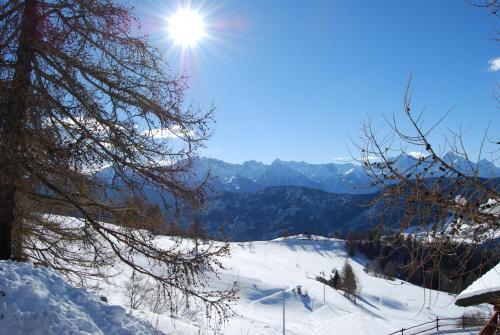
(474, 318)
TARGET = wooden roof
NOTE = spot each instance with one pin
(485, 289)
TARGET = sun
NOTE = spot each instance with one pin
(186, 27)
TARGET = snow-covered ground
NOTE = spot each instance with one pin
(265, 268)
(264, 271)
(36, 301)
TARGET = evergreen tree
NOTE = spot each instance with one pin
(349, 282)
(335, 281)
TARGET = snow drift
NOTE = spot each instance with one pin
(36, 300)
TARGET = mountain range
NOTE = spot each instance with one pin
(255, 201)
(253, 176)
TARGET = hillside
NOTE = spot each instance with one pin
(290, 210)
(37, 301)
(265, 268)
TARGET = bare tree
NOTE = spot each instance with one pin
(138, 291)
(441, 197)
(78, 93)
(445, 201)
(492, 6)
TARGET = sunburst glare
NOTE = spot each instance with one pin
(186, 27)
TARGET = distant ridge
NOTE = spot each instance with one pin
(253, 176)
(255, 201)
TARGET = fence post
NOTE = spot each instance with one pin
(402, 331)
(437, 323)
(463, 321)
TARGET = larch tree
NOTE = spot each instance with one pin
(79, 92)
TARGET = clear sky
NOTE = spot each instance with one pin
(294, 79)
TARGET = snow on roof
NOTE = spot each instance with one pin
(485, 286)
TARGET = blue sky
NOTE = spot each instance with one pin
(294, 79)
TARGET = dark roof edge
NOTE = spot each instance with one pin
(488, 297)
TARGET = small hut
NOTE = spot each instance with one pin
(485, 290)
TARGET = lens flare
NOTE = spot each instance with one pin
(186, 27)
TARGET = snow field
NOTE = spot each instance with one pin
(265, 268)
(37, 301)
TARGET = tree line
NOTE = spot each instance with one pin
(408, 258)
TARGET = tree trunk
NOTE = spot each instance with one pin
(11, 137)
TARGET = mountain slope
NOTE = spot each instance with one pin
(37, 301)
(293, 210)
(270, 271)
(279, 174)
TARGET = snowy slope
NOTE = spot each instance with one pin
(35, 300)
(264, 269)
